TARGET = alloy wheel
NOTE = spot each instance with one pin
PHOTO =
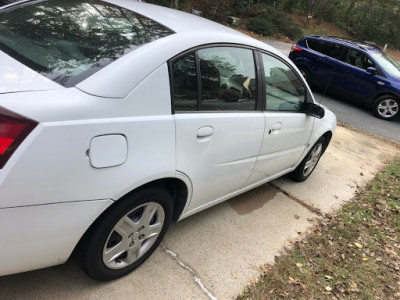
(133, 235)
(388, 108)
(312, 159)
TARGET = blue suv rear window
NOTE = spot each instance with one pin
(69, 40)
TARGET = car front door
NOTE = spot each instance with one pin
(360, 84)
(287, 126)
(219, 130)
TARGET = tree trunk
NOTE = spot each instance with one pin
(174, 4)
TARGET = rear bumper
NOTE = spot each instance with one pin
(34, 237)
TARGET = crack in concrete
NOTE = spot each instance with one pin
(195, 277)
(311, 208)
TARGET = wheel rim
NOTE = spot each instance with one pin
(312, 160)
(388, 108)
(133, 235)
(304, 73)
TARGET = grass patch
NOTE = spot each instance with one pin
(354, 254)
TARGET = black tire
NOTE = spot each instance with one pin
(386, 107)
(102, 239)
(304, 170)
(306, 74)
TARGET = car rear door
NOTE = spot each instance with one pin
(330, 65)
(287, 126)
(219, 128)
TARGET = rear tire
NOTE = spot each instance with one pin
(305, 73)
(310, 161)
(386, 107)
(126, 235)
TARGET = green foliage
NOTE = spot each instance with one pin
(261, 26)
(241, 6)
(373, 20)
(277, 18)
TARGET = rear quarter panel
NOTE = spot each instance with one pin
(52, 165)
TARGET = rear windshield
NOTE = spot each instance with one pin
(69, 40)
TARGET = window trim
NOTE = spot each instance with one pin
(257, 69)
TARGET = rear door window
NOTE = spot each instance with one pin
(335, 51)
(215, 79)
(185, 83)
(228, 79)
(316, 45)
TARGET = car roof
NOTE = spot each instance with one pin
(191, 31)
(363, 45)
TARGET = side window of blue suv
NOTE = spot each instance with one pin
(335, 51)
(359, 59)
(315, 45)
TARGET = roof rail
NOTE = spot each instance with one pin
(362, 44)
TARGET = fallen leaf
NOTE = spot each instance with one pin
(299, 265)
(365, 258)
(235, 275)
(328, 288)
(359, 246)
(328, 277)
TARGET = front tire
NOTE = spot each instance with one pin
(310, 161)
(126, 235)
(386, 107)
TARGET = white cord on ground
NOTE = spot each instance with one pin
(196, 279)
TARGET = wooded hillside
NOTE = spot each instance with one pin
(372, 20)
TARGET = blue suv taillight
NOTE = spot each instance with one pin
(295, 48)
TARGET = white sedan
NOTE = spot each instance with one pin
(118, 117)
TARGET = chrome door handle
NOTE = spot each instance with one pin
(276, 128)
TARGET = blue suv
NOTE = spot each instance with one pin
(359, 70)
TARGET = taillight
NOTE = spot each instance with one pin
(295, 48)
(13, 130)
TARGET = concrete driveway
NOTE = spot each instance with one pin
(217, 252)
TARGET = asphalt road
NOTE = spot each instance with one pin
(360, 117)
(350, 113)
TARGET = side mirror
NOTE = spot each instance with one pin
(372, 70)
(315, 110)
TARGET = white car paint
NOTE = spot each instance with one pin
(60, 179)
(18, 78)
